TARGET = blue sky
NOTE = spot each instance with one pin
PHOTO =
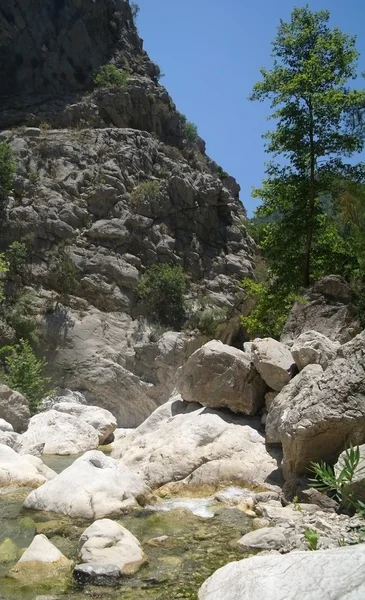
(211, 52)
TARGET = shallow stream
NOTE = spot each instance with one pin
(194, 546)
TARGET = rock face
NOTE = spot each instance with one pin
(327, 309)
(319, 414)
(60, 51)
(219, 376)
(60, 433)
(321, 575)
(18, 470)
(187, 443)
(87, 159)
(102, 420)
(311, 348)
(94, 486)
(107, 543)
(273, 361)
(14, 408)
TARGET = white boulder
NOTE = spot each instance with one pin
(323, 575)
(108, 543)
(220, 376)
(60, 433)
(273, 361)
(18, 470)
(93, 487)
(101, 419)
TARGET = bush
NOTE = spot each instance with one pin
(271, 309)
(145, 192)
(7, 170)
(340, 484)
(17, 255)
(191, 133)
(135, 10)
(210, 318)
(63, 273)
(19, 317)
(110, 76)
(222, 174)
(23, 372)
(162, 287)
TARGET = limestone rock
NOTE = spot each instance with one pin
(18, 470)
(60, 433)
(97, 574)
(322, 416)
(266, 538)
(105, 542)
(5, 426)
(290, 397)
(327, 309)
(321, 575)
(41, 561)
(11, 439)
(14, 408)
(220, 376)
(101, 419)
(273, 361)
(93, 487)
(187, 443)
(313, 347)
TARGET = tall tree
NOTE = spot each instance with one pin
(312, 64)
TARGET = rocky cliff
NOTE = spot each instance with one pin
(83, 156)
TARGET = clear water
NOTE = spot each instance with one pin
(194, 548)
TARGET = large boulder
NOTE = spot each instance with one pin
(101, 419)
(5, 426)
(288, 401)
(106, 542)
(321, 575)
(273, 361)
(187, 443)
(18, 470)
(220, 376)
(60, 433)
(327, 309)
(41, 561)
(312, 347)
(317, 416)
(93, 487)
(14, 408)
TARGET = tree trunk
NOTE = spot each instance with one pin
(311, 202)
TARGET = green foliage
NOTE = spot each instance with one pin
(16, 255)
(222, 174)
(312, 538)
(162, 288)
(7, 170)
(190, 133)
(145, 192)
(23, 372)
(19, 316)
(307, 86)
(135, 10)
(110, 76)
(210, 318)
(340, 483)
(63, 273)
(272, 304)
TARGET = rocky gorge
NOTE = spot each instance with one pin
(164, 462)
